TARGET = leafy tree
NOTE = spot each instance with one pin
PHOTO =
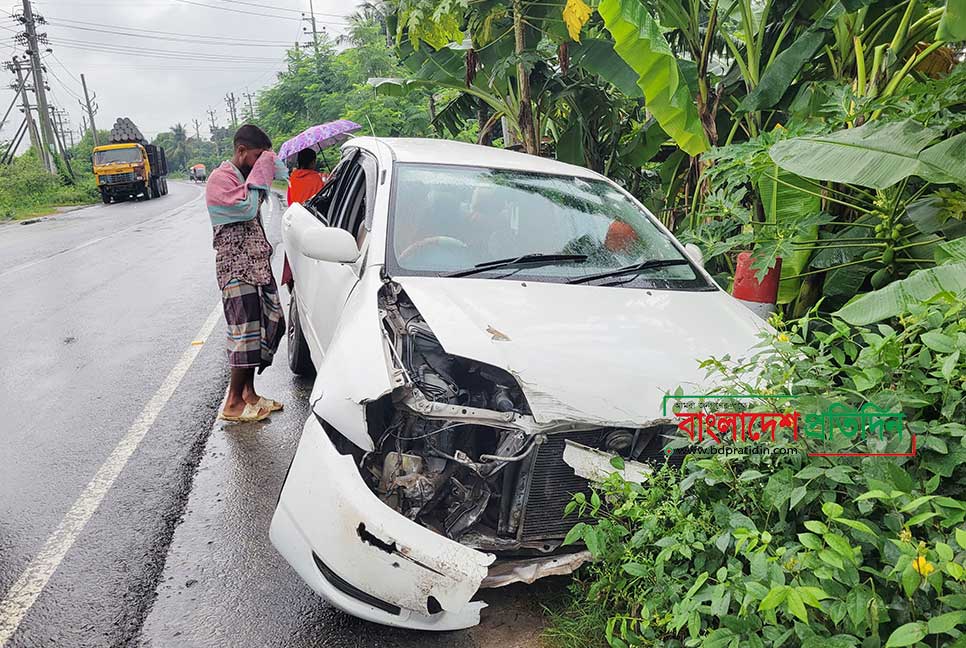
(333, 85)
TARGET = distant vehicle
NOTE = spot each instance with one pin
(129, 167)
(198, 173)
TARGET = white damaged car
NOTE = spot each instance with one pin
(488, 329)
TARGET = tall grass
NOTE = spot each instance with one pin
(27, 189)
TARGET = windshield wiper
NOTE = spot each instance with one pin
(527, 260)
(636, 268)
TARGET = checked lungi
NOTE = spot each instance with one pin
(255, 323)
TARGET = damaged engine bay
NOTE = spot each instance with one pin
(458, 451)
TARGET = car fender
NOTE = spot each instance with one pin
(355, 368)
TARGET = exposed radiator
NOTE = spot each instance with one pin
(553, 484)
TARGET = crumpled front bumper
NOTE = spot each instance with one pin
(364, 557)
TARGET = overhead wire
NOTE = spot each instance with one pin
(64, 85)
(140, 30)
(298, 11)
(252, 13)
(159, 53)
(253, 4)
(177, 39)
(67, 70)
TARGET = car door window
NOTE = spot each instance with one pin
(324, 205)
(359, 199)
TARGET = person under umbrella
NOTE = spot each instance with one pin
(304, 182)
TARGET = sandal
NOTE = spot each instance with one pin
(269, 404)
(250, 414)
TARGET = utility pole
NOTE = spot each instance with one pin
(58, 129)
(91, 108)
(61, 117)
(40, 91)
(7, 156)
(251, 108)
(232, 102)
(54, 121)
(197, 129)
(17, 66)
(315, 33)
(18, 87)
(214, 133)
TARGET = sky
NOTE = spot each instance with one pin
(161, 62)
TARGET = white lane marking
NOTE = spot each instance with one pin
(167, 214)
(35, 577)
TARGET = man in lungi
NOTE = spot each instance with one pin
(234, 194)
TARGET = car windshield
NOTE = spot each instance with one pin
(111, 156)
(448, 219)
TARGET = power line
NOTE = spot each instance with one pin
(182, 68)
(240, 11)
(254, 13)
(162, 54)
(62, 84)
(167, 33)
(176, 39)
(298, 11)
(66, 69)
(126, 48)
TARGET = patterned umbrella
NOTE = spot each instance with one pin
(319, 137)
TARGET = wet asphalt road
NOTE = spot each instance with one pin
(100, 305)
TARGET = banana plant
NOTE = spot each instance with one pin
(898, 161)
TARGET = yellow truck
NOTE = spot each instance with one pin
(129, 167)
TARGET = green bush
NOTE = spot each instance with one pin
(26, 187)
(765, 550)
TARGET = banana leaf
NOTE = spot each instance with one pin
(896, 298)
(951, 251)
(646, 142)
(876, 155)
(638, 40)
(599, 58)
(570, 144)
(781, 73)
(785, 200)
(952, 26)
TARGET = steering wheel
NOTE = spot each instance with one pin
(434, 250)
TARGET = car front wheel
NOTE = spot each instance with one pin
(299, 358)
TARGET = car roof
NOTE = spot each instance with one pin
(441, 151)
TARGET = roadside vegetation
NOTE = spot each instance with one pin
(27, 189)
(829, 136)
(794, 550)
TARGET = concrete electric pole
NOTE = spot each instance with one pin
(57, 126)
(91, 108)
(17, 88)
(40, 91)
(315, 32)
(232, 102)
(251, 107)
(19, 67)
(214, 131)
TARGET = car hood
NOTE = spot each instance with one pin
(605, 355)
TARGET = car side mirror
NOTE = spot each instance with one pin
(329, 244)
(695, 253)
